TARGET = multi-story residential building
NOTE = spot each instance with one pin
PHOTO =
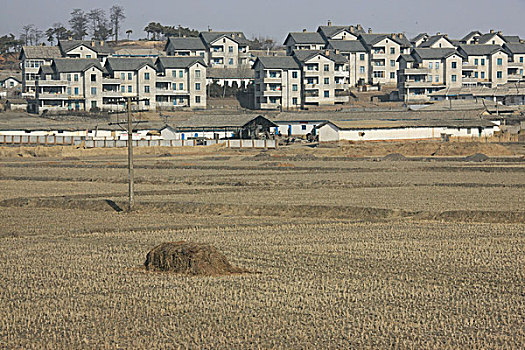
(438, 41)
(484, 65)
(470, 38)
(85, 49)
(331, 32)
(304, 40)
(384, 50)
(181, 82)
(226, 49)
(83, 84)
(516, 64)
(32, 58)
(186, 47)
(490, 38)
(358, 59)
(427, 70)
(278, 82)
(69, 84)
(419, 39)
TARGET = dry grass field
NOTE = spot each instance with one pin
(344, 252)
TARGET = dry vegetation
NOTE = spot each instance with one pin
(349, 253)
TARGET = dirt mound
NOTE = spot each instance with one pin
(478, 157)
(277, 164)
(189, 259)
(394, 157)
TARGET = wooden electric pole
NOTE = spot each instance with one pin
(130, 157)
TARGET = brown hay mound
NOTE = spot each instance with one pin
(189, 258)
(395, 157)
(478, 157)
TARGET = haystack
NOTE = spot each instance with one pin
(189, 258)
(478, 157)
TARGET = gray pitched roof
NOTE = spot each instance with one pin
(305, 55)
(128, 63)
(347, 45)
(512, 39)
(11, 77)
(431, 53)
(277, 62)
(434, 39)
(330, 31)
(306, 37)
(408, 58)
(70, 65)
(221, 121)
(46, 70)
(178, 62)
(185, 44)
(470, 35)
(238, 37)
(372, 39)
(479, 50)
(515, 48)
(44, 52)
(485, 38)
(418, 37)
(95, 45)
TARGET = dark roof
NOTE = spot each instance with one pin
(17, 100)
(278, 62)
(44, 52)
(178, 62)
(70, 65)
(238, 37)
(220, 121)
(470, 35)
(185, 44)
(485, 38)
(408, 58)
(372, 39)
(11, 77)
(418, 37)
(479, 50)
(46, 70)
(431, 53)
(512, 39)
(330, 31)
(304, 55)
(514, 48)
(306, 38)
(434, 39)
(128, 63)
(95, 45)
(347, 45)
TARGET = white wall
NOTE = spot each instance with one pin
(297, 127)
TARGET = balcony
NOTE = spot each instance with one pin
(470, 80)
(42, 83)
(469, 67)
(516, 77)
(52, 96)
(311, 73)
(272, 92)
(415, 71)
(311, 86)
(270, 80)
(341, 86)
(421, 84)
(516, 65)
(111, 81)
(112, 93)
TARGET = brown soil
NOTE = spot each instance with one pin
(189, 258)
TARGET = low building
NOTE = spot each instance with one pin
(516, 64)
(10, 82)
(186, 47)
(16, 104)
(296, 41)
(85, 49)
(382, 130)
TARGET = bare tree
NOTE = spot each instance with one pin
(36, 36)
(25, 36)
(79, 24)
(116, 16)
(95, 17)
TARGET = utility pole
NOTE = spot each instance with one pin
(130, 157)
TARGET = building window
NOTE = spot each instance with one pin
(130, 88)
(475, 74)
(521, 59)
(327, 94)
(93, 77)
(362, 57)
(482, 75)
(303, 127)
(181, 86)
(174, 73)
(146, 89)
(122, 76)
(146, 76)
(146, 102)
(294, 87)
(130, 76)
(230, 61)
(88, 56)
(362, 69)
(430, 65)
(500, 61)
(69, 91)
(181, 74)
(482, 61)
(437, 79)
(392, 50)
(379, 74)
(326, 81)
(122, 88)
(230, 49)
(197, 73)
(454, 65)
(326, 67)
(392, 63)
(392, 75)
(454, 78)
(429, 78)
(499, 74)
(476, 62)
(294, 75)
(294, 101)
(76, 91)
(69, 77)
(198, 86)
(197, 99)
(437, 65)
(75, 77)
(93, 91)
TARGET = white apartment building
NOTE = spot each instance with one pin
(32, 58)
(84, 85)
(85, 49)
(186, 47)
(484, 65)
(304, 40)
(277, 82)
(358, 59)
(438, 41)
(229, 50)
(516, 64)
